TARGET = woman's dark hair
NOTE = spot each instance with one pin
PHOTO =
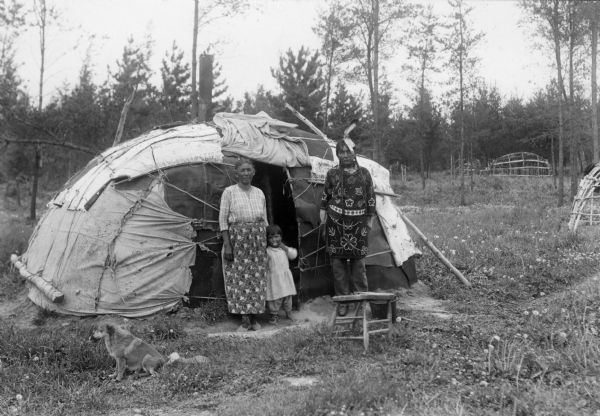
(243, 160)
(273, 229)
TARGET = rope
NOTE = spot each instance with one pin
(302, 193)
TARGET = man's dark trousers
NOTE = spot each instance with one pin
(349, 275)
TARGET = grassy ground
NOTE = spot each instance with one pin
(522, 341)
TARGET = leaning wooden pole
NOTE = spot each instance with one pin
(306, 121)
(435, 251)
(55, 295)
(429, 244)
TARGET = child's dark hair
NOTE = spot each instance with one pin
(273, 229)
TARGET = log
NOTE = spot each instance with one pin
(55, 295)
(429, 244)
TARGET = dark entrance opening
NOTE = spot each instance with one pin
(273, 181)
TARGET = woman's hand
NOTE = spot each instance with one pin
(227, 251)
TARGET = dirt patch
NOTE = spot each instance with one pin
(313, 312)
(301, 381)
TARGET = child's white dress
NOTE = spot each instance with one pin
(280, 282)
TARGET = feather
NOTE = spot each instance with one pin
(351, 127)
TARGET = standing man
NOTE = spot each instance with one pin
(347, 210)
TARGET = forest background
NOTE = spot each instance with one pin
(455, 117)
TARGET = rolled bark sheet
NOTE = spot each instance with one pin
(55, 295)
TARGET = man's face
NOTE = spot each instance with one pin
(275, 240)
(345, 156)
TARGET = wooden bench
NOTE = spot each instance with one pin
(360, 300)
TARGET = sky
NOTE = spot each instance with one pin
(248, 46)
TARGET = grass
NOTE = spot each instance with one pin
(523, 341)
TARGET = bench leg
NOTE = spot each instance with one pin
(390, 320)
(334, 316)
(357, 307)
(365, 326)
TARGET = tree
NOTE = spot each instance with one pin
(301, 81)
(45, 15)
(424, 126)
(205, 14)
(461, 44)
(345, 107)
(371, 25)
(423, 46)
(131, 80)
(12, 17)
(551, 22)
(220, 101)
(332, 30)
(591, 11)
(175, 94)
(262, 100)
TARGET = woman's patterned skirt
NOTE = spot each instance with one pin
(246, 276)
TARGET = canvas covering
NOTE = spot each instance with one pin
(115, 248)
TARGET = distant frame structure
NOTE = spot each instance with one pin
(520, 164)
(586, 204)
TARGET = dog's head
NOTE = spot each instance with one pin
(102, 331)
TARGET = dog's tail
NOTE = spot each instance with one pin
(176, 358)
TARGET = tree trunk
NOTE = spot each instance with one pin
(595, 143)
(571, 105)
(553, 160)
(378, 149)
(42, 28)
(194, 97)
(461, 157)
(34, 182)
(328, 92)
(561, 170)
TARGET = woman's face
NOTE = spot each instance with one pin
(245, 173)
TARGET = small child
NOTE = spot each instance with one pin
(280, 283)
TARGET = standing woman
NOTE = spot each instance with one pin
(243, 221)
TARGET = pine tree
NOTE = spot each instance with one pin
(133, 76)
(175, 94)
(302, 85)
(220, 102)
(345, 108)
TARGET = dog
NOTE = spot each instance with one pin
(130, 352)
(134, 354)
